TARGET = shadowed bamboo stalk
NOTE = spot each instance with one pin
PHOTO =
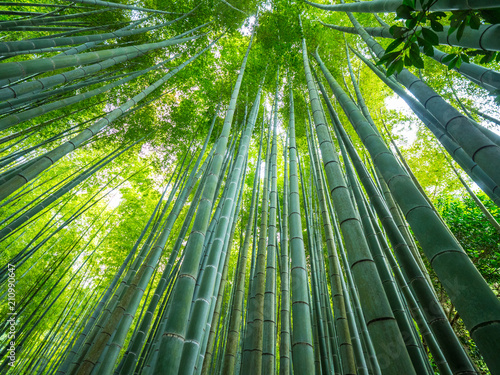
(389, 345)
(482, 38)
(478, 146)
(200, 311)
(302, 346)
(173, 336)
(285, 366)
(341, 324)
(458, 154)
(474, 197)
(236, 312)
(51, 157)
(24, 68)
(269, 322)
(389, 6)
(110, 4)
(445, 255)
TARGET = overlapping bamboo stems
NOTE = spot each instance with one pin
(482, 38)
(457, 152)
(419, 361)
(445, 255)
(24, 68)
(216, 254)
(116, 344)
(487, 214)
(110, 4)
(34, 357)
(486, 116)
(334, 264)
(252, 346)
(302, 345)
(70, 51)
(234, 324)
(23, 332)
(52, 156)
(434, 313)
(26, 336)
(341, 325)
(488, 79)
(326, 356)
(247, 313)
(389, 6)
(31, 130)
(395, 214)
(72, 315)
(135, 345)
(34, 45)
(22, 256)
(366, 359)
(414, 307)
(18, 89)
(149, 352)
(88, 200)
(305, 189)
(389, 345)
(92, 329)
(217, 298)
(481, 149)
(26, 102)
(269, 313)
(407, 167)
(226, 170)
(19, 117)
(285, 348)
(401, 223)
(37, 198)
(72, 350)
(175, 329)
(21, 219)
(166, 281)
(11, 25)
(130, 295)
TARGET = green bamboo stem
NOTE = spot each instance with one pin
(381, 323)
(481, 149)
(201, 306)
(110, 4)
(28, 67)
(52, 156)
(252, 352)
(302, 345)
(285, 366)
(482, 38)
(389, 6)
(442, 258)
(457, 152)
(341, 324)
(474, 197)
(236, 314)
(173, 336)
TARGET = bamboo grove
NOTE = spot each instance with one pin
(214, 187)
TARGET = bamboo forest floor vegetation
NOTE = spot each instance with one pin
(249, 187)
